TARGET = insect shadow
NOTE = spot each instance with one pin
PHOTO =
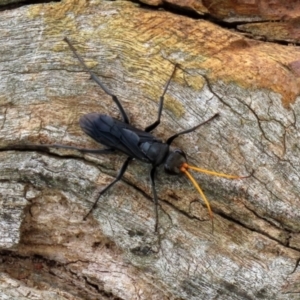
(136, 143)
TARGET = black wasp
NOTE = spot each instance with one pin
(136, 143)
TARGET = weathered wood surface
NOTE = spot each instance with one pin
(264, 19)
(48, 251)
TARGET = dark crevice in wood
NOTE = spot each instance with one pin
(296, 266)
(42, 271)
(188, 12)
(254, 230)
(12, 6)
(178, 10)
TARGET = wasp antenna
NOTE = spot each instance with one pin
(214, 173)
(247, 176)
(196, 185)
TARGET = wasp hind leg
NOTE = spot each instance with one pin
(97, 80)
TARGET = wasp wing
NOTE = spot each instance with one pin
(116, 134)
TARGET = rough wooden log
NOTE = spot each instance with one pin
(47, 250)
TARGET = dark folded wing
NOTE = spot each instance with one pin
(116, 134)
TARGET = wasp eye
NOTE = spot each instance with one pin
(179, 151)
(174, 162)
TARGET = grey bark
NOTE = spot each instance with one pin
(48, 251)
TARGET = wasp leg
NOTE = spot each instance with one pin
(46, 147)
(155, 199)
(97, 80)
(161, 104)
(173, 137)
(119, 176)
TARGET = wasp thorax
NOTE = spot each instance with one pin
(174, 162)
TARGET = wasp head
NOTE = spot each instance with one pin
(175, 160)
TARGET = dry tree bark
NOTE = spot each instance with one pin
(49, 252)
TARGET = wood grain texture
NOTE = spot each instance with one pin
(254, 250)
